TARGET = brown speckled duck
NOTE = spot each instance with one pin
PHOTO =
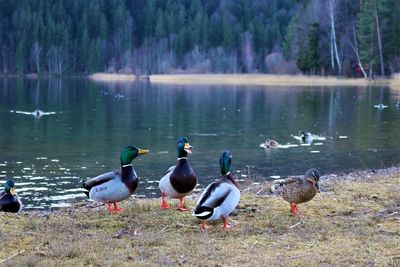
(298, 189)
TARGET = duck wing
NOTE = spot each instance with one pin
(280, 187)
(170, 170)
(214, 195)
(103, 178)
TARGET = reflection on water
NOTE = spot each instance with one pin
(51, 156)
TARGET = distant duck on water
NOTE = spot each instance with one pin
(298, 189)
(221, 197)
(306, 137)
(9, 200)
(271, 144)
(115, 186)
(180, 180)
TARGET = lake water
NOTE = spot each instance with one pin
(49, 157)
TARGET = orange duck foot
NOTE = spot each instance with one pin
(164, 204)
(225, 225)
(181, 208)
(205, 226)
(294, 210)
(116, 208)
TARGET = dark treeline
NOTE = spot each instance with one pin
(61, 37)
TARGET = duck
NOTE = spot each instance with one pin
(179, 180)
(9, 200)
(115, 186)
(298, 189)
(306, 137)
(380, 106)
(271, 144)
(219, 198)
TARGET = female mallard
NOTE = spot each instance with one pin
(115, 186)
(9, 200)
(271, 144)
(179, 180)
(298, 189)
(221, 197)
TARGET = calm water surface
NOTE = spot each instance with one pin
(50, 156)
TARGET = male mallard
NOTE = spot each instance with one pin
(306, 137)
(115, 186)
(9, 200)
(221, 197)
(179, 180)
(298, 189)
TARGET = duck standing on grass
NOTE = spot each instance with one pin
(115, 186)
(180, 179)
(9, 200)
(221, 197)
(298, 189)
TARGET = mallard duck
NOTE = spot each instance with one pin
(271, 144)
(180, 179)
(298, 189)
(9, 200)
(306, 137)
(219, 198)
(115, 186)
(380, 106)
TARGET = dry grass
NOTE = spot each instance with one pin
(247, 79)
(113, 77)
(349, 223)
(395, 81)
(257, 79)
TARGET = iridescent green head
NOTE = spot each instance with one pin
(225, 162)
(9, 187)
(183, 147)
(131, 152)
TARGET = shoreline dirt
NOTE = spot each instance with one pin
(354, 221)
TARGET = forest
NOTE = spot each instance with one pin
(358, 38)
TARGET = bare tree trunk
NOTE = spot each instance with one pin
(36, 54)
(378, 31)
(355, 48)
(332, 56)
(333, 34)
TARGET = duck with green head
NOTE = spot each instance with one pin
(219, 198)
(298, 189)
(115, 186)
(9, 200)
(180, 179)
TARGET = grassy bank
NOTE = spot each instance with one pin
(352, 222)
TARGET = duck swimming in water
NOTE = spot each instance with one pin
(271, 144)
(298, 189)
(115, 186)
(219, 198)
(306, 137)
(9, 200)
(180, 180)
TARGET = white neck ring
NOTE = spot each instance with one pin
(126, 165)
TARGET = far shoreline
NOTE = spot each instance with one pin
(246, 79)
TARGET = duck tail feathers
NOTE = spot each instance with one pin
(203, 212)
(277, 187)
(86, 193)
